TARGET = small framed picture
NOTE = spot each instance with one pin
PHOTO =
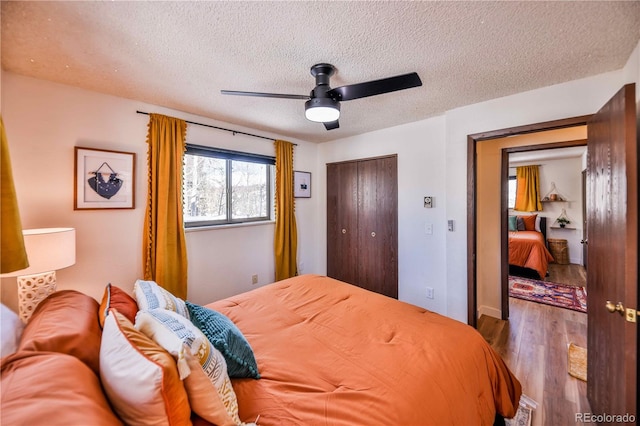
(302, 184)
(104, 179)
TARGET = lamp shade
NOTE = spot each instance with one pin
(48, 249)
(14, 256)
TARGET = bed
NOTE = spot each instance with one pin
(330, 353)
(528, 253)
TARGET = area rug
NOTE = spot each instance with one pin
(577, 362)
(524, 414)
(548, 293)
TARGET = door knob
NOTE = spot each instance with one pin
(618, 307)
(344, 231)
(373, 234)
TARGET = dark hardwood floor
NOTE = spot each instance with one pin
(534, 344)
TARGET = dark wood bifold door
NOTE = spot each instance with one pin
(362, 223)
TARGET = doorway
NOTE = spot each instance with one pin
(499, 234)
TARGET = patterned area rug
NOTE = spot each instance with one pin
(524, 414)
(554, 294)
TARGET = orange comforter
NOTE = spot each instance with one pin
(331, 353)
(527, 249)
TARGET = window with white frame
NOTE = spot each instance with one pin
(224, 187)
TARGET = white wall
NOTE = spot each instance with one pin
(420, 256)
(567, 175)
(44, 121)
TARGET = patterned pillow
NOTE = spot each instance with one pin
(227, 338)
(115, 297)
(150, 295)
(202, 366)
(139, 377)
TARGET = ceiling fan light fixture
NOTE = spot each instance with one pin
(322, 110)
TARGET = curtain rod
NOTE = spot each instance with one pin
(222, 128)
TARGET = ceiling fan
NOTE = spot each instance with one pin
(323, 103)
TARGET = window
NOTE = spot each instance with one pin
(223, 187)
(512, 192)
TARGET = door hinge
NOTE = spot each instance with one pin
(631, 315)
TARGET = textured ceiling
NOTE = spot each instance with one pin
(181, 54)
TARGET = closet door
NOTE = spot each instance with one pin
(342, 221)
(378, 225)
(362, 223)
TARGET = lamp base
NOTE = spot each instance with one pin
(33, 289)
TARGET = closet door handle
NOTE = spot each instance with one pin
(344, 231)
(373, 234)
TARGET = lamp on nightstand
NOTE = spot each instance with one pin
(48, 250)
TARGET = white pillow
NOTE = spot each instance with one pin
(149, 295)
(537, 227)
(11, 331)
(139, 377)
(200, 364)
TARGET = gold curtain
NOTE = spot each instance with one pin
(14, 256)
(164, 245)
(528, 189)
(286, 235)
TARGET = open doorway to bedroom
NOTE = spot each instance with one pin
(546, 257)
(536, 335)
(492, 255)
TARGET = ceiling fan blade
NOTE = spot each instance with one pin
(330, 125)
(264, 95)
(375, 87)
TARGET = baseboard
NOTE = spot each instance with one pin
(489, 311)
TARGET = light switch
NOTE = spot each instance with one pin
(428, 202)
(450, 224)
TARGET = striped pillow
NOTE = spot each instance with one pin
(202, 366)
(150, 295)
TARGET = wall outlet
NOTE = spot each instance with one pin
(254, 279)
(450, 225)
(429, 292)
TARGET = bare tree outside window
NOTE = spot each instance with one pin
(223, 190)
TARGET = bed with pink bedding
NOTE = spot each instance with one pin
(330, 353)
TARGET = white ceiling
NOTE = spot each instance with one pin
(181, 54)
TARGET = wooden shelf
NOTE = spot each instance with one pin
(554, 201)
(560, 227)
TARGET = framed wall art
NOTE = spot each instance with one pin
(104, 179)
(302, 184)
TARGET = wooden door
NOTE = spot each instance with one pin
(378, 225)
(585, 233)
(612, 222)
(342, 221)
